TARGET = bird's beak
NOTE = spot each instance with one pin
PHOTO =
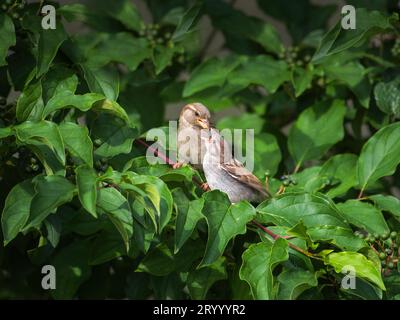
(203, 123)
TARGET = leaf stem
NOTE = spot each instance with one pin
(167, 160)
(276, 236)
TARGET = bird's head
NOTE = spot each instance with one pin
(195, 114)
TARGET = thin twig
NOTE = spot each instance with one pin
(291, 245)
(199, 184)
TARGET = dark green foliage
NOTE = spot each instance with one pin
(77, 192)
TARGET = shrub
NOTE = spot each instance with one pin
(77, 192)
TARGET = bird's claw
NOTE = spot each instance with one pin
(177, 165)
(204, 186)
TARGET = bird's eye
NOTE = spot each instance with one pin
(197, 114)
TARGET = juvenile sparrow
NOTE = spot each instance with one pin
(193, 118)
(225, 173)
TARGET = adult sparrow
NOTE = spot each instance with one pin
(225, 173)
(193, 120)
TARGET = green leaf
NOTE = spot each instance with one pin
(387, 96)
(72, 269)
(123, 11)
(387, 203)
(201, 280)
(158, 262)
(316, 130)
(211, 73)
(30, 101)
(363, 267)
(115, 205)
(107, 246)
(259, 261)
(364, 215)
(187, 22)
(51, 192)
(338, 39)
(86, 181)
(120, 47)
(379, 156)
(261, 70)
(293, 282)
(267, 154)
(77, 142)
(302, 78)
(103, 80)
(50, 41)
(5, 132)
(237, 25)
(341, 167)
(115, 136)
(225, 221)
(162, 57)
(7, 37)
(112, 107)
(352, 74)
(67, 99)
(45, 139)
(188, 214)
(244, 121)
(323, 220)
(16, 209)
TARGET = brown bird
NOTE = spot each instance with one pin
(193, 120)
(225, 173)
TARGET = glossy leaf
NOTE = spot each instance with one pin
(364, 215)
(7, 36)
(115, 205)
(225, 221)
(77, 142)
(379, 156)
(259, 261)
(201, 280)
(16, 210)
(51, 192)
(86, 181)
(363, 267)
(316, 130)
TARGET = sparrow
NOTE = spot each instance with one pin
(193, 120)
(227, 174)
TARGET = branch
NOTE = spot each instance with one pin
(167, 160)
(199, 184)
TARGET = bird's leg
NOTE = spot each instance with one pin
(267, 184)
(204, 186)
(177, 165)
(281, 190)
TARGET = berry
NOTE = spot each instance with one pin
(385, 235)
(393, 235)
(286, 183)
(388, 251)
(390, 265)
(382, 256)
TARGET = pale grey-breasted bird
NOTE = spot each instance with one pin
(225, 173)
(194, 118)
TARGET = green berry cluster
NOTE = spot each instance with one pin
(387, 247)
(155, 35)
(293, 57)
(288, 180)
(396, 48)
(14, 8)
(27, 160)
(159, 35)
